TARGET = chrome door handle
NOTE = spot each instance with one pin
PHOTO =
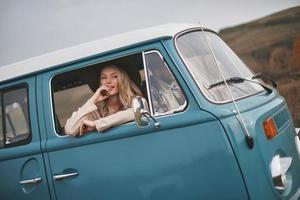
(31, 181)
(59, 177)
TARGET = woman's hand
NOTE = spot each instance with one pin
(86, 126)
(101, 94)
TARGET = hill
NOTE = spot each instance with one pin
(271, 45)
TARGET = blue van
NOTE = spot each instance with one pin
(230, 136)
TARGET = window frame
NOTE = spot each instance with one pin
(192, 74)
(184, 106)
(4, 90)
(88, 64)
(107, 58)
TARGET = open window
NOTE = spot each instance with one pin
(71, 89)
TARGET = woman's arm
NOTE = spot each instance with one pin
(85, 112)
(74, 122)
(115, 119)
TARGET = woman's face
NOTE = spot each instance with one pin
(109, 78)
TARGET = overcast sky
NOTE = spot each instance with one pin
(33, 27)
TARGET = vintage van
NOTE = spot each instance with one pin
(230, 137)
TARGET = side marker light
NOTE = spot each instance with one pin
(269, 128)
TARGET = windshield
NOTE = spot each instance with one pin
(195, 51)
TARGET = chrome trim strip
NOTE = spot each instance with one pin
(297, 144)
(170, 112)
(63, 176)
(31, 181)
(52, 108)
(147, 82)
(296, 195)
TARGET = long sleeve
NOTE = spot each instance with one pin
(115, 119)
(85, 112)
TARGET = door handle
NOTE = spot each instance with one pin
(59, 177)
(31, 181)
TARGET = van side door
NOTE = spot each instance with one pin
(22, 173)
(187, 157)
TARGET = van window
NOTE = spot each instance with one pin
(15, 127)
(71, 89)
(204, 66)
(74, 96)
(166, 95)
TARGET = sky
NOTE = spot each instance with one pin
(34, 27)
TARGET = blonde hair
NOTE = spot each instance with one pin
(127, 91)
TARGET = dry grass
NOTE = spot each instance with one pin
(271, 45)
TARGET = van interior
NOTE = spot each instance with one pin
(72, 89)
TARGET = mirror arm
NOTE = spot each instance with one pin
(146, 114)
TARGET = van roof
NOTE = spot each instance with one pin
(84, 50)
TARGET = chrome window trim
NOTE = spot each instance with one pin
(143, 52)
(194, 79)
(51, 106)
(147, 81)
(171, 112)
(186, 107)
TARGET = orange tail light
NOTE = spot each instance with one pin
(269, 128)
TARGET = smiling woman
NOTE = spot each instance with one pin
(109, 106)
(103, 92)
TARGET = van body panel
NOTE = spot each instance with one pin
(24, 162)
(136, 161)
(177, 164)
(254, 163)
(265, 149)
(43, 133)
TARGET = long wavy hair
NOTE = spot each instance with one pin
(127, 91)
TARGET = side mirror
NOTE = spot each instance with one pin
(141, 113)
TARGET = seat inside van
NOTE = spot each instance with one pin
(72, 89)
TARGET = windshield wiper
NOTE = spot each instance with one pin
(260, 75)
(240, 80)
(228, 81)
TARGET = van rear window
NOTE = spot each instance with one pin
(14, 125)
